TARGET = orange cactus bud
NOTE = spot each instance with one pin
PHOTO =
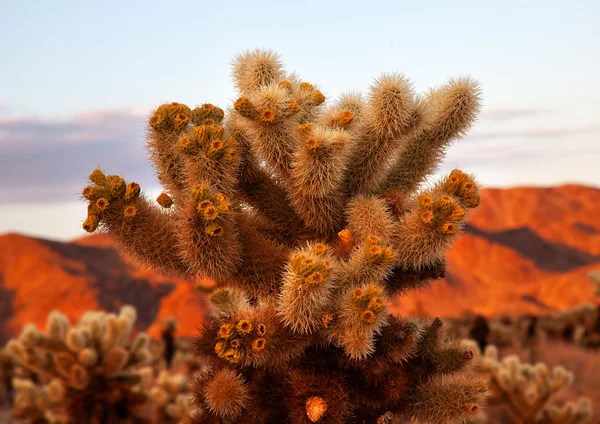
(164, 200)
(285, 84)
(315, 408)
(293, 106)
(318, 97)
(345, 237)
(261, 330)
(448, 228)
(315, 279)
(306, 86)
(345, 117)
(358, 294)
(427, 217)
(268, 116)
(313, 144)
(305, 129)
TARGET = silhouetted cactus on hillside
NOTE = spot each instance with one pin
(310, 218)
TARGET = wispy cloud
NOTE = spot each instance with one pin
(507, 113)
(43, 160)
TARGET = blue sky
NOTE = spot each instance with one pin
(78, 78)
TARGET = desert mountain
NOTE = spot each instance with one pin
(524, 250)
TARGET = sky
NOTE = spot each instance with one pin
(78, 79)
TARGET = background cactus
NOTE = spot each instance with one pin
(527, 389)
(309, 218)
(85, 373)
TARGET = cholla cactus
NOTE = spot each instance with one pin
(170, 398)
(309, 218)
(526, 389)
(91, 365)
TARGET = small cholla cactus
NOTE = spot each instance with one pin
(170, 398)
(91, 365)
(40, 404)
(594, 277)
(526, 389)
(310, 218)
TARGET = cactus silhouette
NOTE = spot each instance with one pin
(310, 218)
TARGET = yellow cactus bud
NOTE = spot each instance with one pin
(180, 122)
(129, 211)
(89, 192)
(91, 223)
(132, 191)
(227, 331)
(98, 177)
(220, 348)
(244, 327)
(425, 200)
(213, 230)
(102, 204)
(367, 316)
(245, 108)
(319, 249)
(259, 344)
(234, 355)
(210, 213)
(187, 145)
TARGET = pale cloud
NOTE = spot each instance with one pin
(47, 160)
(507, 113)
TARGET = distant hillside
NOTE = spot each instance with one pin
(524, 250)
